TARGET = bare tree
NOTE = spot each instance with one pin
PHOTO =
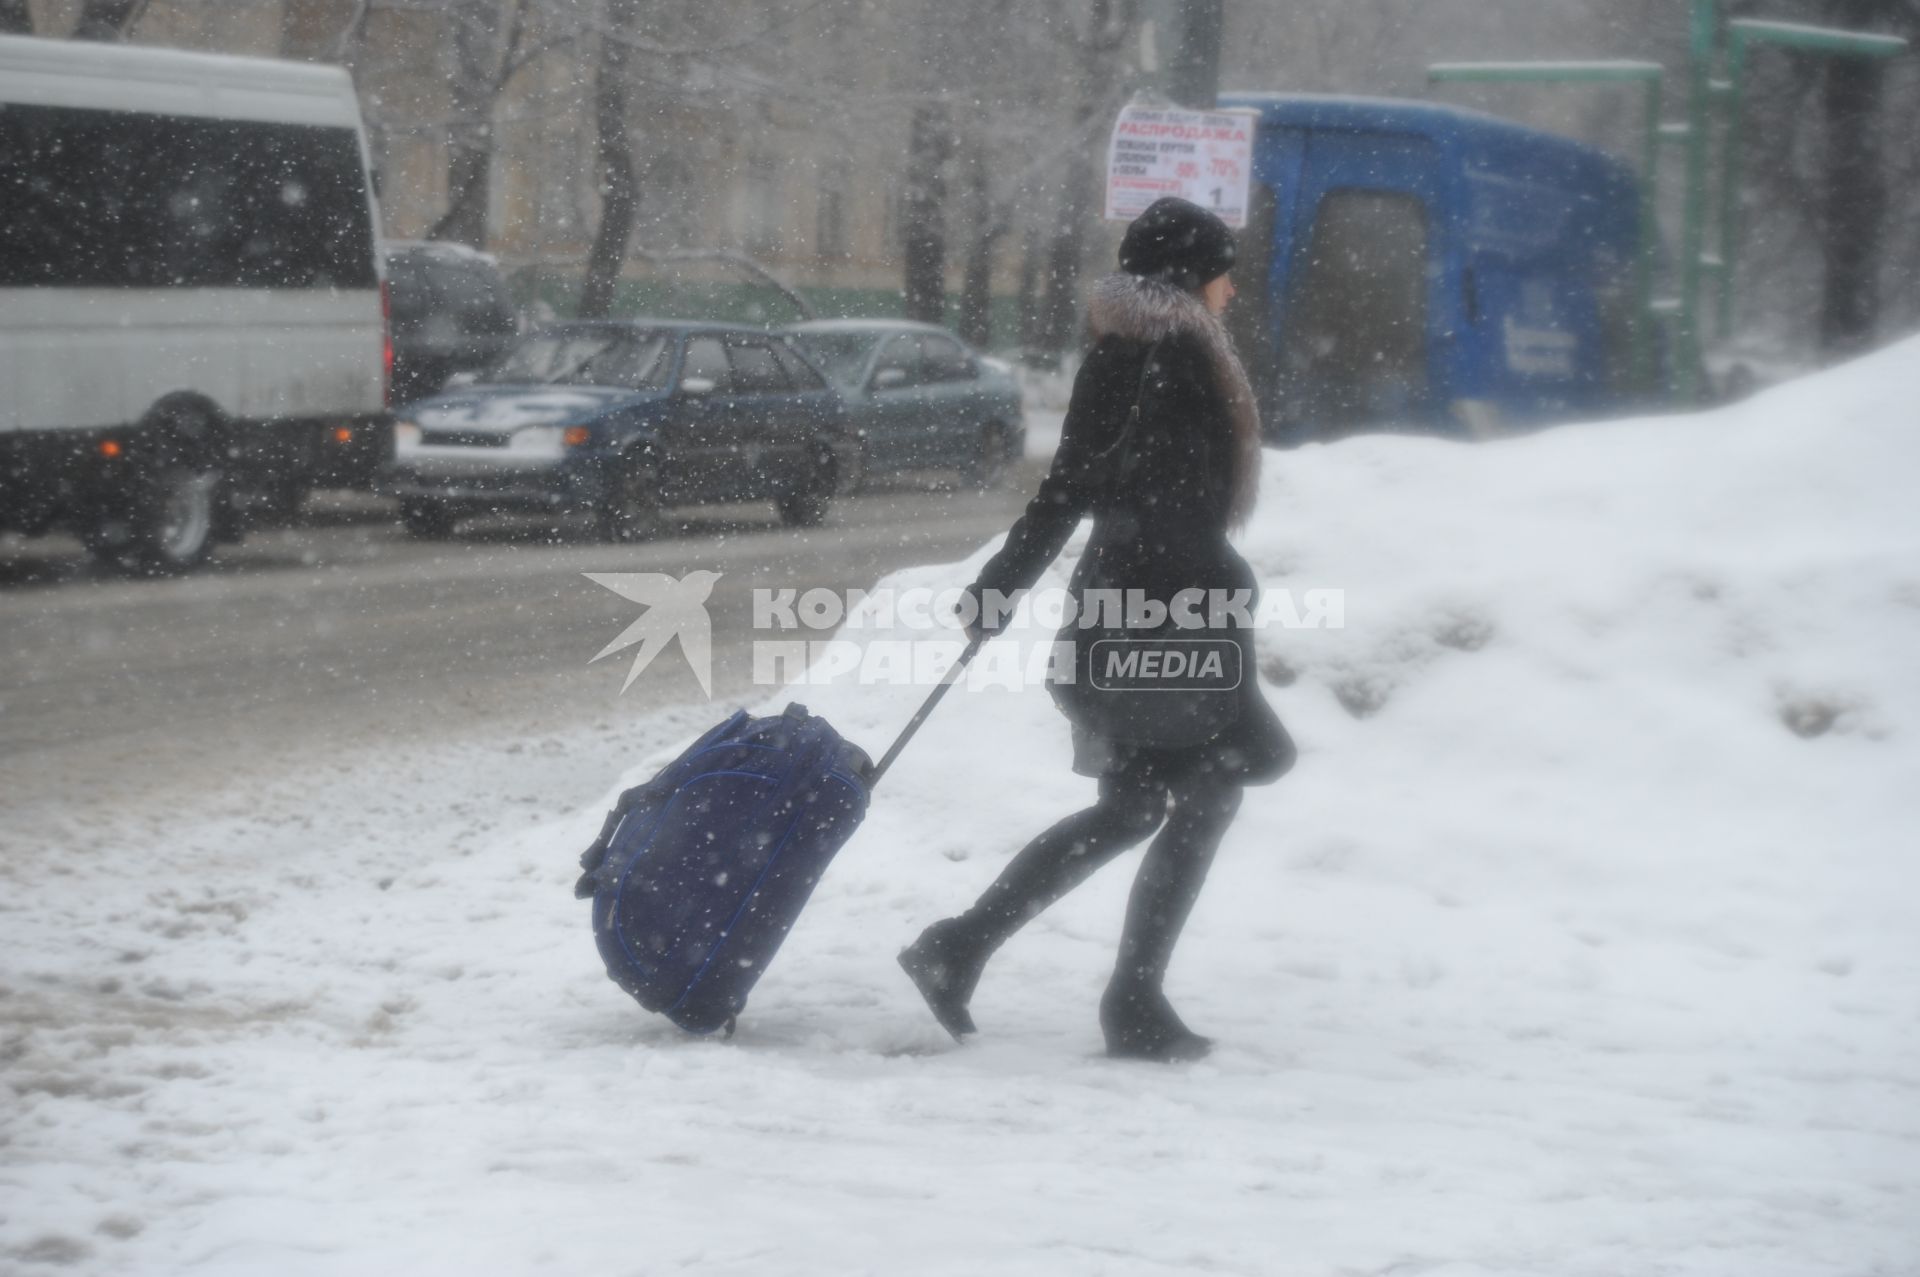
(989, 225)
(479, 74)
(930, 144)
(619, 180)
(701, 68)
(1111, 24)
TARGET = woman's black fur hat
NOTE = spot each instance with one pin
(1177, 241)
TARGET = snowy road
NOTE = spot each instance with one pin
(324, 640)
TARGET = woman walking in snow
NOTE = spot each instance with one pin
(1161, 445)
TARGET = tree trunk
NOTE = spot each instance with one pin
(1032, 322)
(1856, 199)
(976, 295)
(1108, 29)
(469, 187)
(923, 213)
(470, 142)
(1060, 307)
(976, 289)
(15, 18)
(106, 19)
(619, 183)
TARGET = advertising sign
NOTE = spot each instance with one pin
(1203, 156)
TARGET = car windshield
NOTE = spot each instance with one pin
(841, 356)
(632, 361)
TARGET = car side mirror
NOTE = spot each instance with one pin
(889, 378)
(698, 386)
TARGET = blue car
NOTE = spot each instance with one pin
(624, 420)
(918, 399)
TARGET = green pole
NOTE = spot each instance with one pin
(1730, 178)
(1649, 239)
(1693, 216)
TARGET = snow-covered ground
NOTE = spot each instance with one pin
(1581, 941)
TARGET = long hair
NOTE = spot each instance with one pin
(1153, 310)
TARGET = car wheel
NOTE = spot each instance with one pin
(632, 509)
(427, 519)
(806, 506)
(173, 511)
(989, 468)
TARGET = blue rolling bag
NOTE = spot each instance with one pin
(699, 874)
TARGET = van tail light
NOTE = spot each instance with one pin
(386, 346)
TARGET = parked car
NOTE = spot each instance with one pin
(625, 420)
(452, 313)
(918, 398)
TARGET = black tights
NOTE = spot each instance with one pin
(1133, 803)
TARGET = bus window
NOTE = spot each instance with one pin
(113, 199)
(1354, 332)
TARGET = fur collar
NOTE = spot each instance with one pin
(1141, 309)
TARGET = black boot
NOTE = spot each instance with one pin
(1140, 1025)
(946, 961)
(945, 964)
(1135, 1015)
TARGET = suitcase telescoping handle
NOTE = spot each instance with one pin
(926, 708)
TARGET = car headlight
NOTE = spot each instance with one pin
(406, 432)
(544, 440)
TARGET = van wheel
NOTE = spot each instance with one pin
(989, 468)
(631, 511)
(167, 528)
(806, 506)
(173, 511)
(427, 519)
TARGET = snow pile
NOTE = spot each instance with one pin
(1580, 941)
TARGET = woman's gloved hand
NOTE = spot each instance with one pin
(972, 613)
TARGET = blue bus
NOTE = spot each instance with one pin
(1413, 265)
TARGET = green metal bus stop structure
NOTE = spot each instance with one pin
(1706, 92)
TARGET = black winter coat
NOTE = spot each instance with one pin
(1160, 522)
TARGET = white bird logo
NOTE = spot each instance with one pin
(675, 608)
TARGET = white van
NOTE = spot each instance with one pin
(192, 314)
